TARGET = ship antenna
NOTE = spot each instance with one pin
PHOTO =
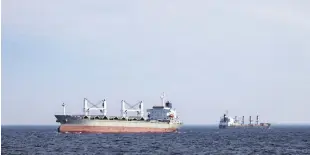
(163, 99)
(64, 108)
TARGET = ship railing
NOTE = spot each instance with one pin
(137, 118)
(128, 118)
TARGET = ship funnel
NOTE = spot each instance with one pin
(169, 104)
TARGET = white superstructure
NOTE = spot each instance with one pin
(163, 112)
(227, 121)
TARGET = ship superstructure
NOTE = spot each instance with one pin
(159, 119)
(229, 122)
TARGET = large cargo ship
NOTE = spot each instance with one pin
(159, 119)
(229, 122)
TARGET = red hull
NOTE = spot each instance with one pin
(106, 129)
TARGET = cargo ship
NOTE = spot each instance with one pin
(229, 122)
(160, 119)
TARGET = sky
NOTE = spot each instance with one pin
(247, 57)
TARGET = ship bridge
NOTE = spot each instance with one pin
(163, 112)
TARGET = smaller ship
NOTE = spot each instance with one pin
(229, 122)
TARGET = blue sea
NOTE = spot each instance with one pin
(188, 140)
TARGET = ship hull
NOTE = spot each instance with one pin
(111, 129)
(76, 124)
(244, 127)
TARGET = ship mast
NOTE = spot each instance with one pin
(257, 120)
(250, 119)
(163, 99)
(85, 109)
(64, 108)
(242, 120)
(104, 105)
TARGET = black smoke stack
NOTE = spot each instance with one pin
(168, 104)
(224, 117)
